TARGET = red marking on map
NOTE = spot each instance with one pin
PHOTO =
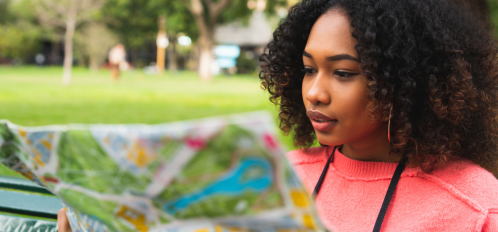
(50, 179)
(195, 143)
(270, 141)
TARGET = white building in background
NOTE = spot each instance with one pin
(254, 36)
(251, 39)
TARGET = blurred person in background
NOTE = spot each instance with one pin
(117, 56)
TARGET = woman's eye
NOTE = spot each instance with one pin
(309, 71)
(344, 74)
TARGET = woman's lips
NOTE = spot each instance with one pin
(319, 121)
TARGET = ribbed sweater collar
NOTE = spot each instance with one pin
(361, 169)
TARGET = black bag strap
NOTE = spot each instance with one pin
(389, 195)
(387, 198)
(324, 173)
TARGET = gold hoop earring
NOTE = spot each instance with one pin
(389, 125)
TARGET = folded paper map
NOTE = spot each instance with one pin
(217, 174)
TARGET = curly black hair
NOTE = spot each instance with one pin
(430, 60)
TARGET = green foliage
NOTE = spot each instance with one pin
(131, 20)
(273, 5)
(19, 40)
(135, 22)
(237, 10)
(4, 11)
(246, 63)
(179, 19)
(20, 36)
(493, 15)
(93, 41)
(21, 10)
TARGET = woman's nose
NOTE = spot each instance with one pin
(318, 92)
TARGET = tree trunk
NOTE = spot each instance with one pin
(68, 50)
(206, 31)
(205, 62)
(206, 28)
(205, 53)
(172, 61)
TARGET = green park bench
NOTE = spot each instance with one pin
(26, 207)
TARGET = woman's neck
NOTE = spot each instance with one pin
(376, 151)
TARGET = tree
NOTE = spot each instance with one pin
(206, 14)
(20, 38)
(172, 64)
(135, 21)
(210, 13)
(94, 41)
(68, 14)
(179, 21)
(4, 10)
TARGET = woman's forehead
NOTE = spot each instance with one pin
(331, 35)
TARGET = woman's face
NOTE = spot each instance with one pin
(334, 88)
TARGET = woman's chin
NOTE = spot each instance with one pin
(327, 140)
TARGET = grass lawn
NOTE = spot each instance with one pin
(33, 96)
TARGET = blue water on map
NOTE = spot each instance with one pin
(235, 182)
(35, 139)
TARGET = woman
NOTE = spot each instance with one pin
(382, 84)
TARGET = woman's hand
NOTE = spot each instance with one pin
(62, 221)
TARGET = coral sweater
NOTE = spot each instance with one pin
(458, 197)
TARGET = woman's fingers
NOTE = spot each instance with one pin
(62, 221)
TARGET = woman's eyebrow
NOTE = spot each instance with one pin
(342, 57)
(335, 58)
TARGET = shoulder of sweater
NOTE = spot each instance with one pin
(307, 156)
(469, 182)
